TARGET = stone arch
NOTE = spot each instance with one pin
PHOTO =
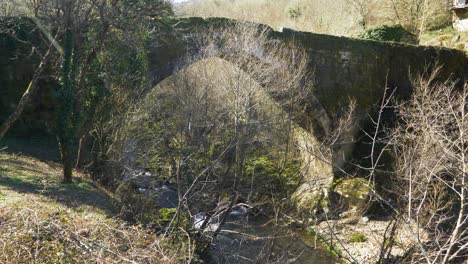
(343, 68)
(319, 165)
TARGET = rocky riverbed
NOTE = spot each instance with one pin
(360, 239)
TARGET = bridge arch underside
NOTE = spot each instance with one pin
(219, 78)
(342, 68)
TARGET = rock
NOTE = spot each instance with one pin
(312, 193)
(240, 209)
(199, 219)
(145, 183)
(375, 231)
(456, 38)
(167, 198)
(163, 197)
(355, 195)
(296, 225)
(141, 179)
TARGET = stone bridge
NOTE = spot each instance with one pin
(342, 68)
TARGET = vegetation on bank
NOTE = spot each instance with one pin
(45, 221)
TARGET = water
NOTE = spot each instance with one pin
(244, 240)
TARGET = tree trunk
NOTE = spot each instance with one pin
(66, 160)
(25, 99)
(65, 126)
(81, 152)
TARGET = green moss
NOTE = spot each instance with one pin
(358, 238)
(166, 215)
(314, 202)
(394, 242)
(272, 173)
(312, 231)
(355, 192)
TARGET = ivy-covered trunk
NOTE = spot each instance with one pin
(65, 152)
(65, 124)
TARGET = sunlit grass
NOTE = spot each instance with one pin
(46, 221)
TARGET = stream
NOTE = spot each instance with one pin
(244, 237)
(253, 240)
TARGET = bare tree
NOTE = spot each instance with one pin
(364, 9)
(27, 95)
(414, 14)
(431, 144)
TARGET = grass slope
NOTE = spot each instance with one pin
(446, 37)
(44, 221)
(338, 17)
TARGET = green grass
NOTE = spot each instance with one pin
(447, 32)
(445, 37)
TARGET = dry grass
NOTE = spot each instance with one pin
(44, 221)
(322, 16)
(446, 37)
(339, 17)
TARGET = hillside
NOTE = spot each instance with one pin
(446, 37)
(341, 17)
(44, 221)
(332, 17)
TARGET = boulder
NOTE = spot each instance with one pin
(354, 194)
(146, 184)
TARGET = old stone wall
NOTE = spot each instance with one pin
(460, 19)
(342, 68)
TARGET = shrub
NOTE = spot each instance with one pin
(294, 12)
(394, 33)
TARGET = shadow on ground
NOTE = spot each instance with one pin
(25, 174)
(71, 195)
(42, 147)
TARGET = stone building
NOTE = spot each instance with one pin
(460, 11)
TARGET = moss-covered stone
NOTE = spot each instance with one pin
(355, 194)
